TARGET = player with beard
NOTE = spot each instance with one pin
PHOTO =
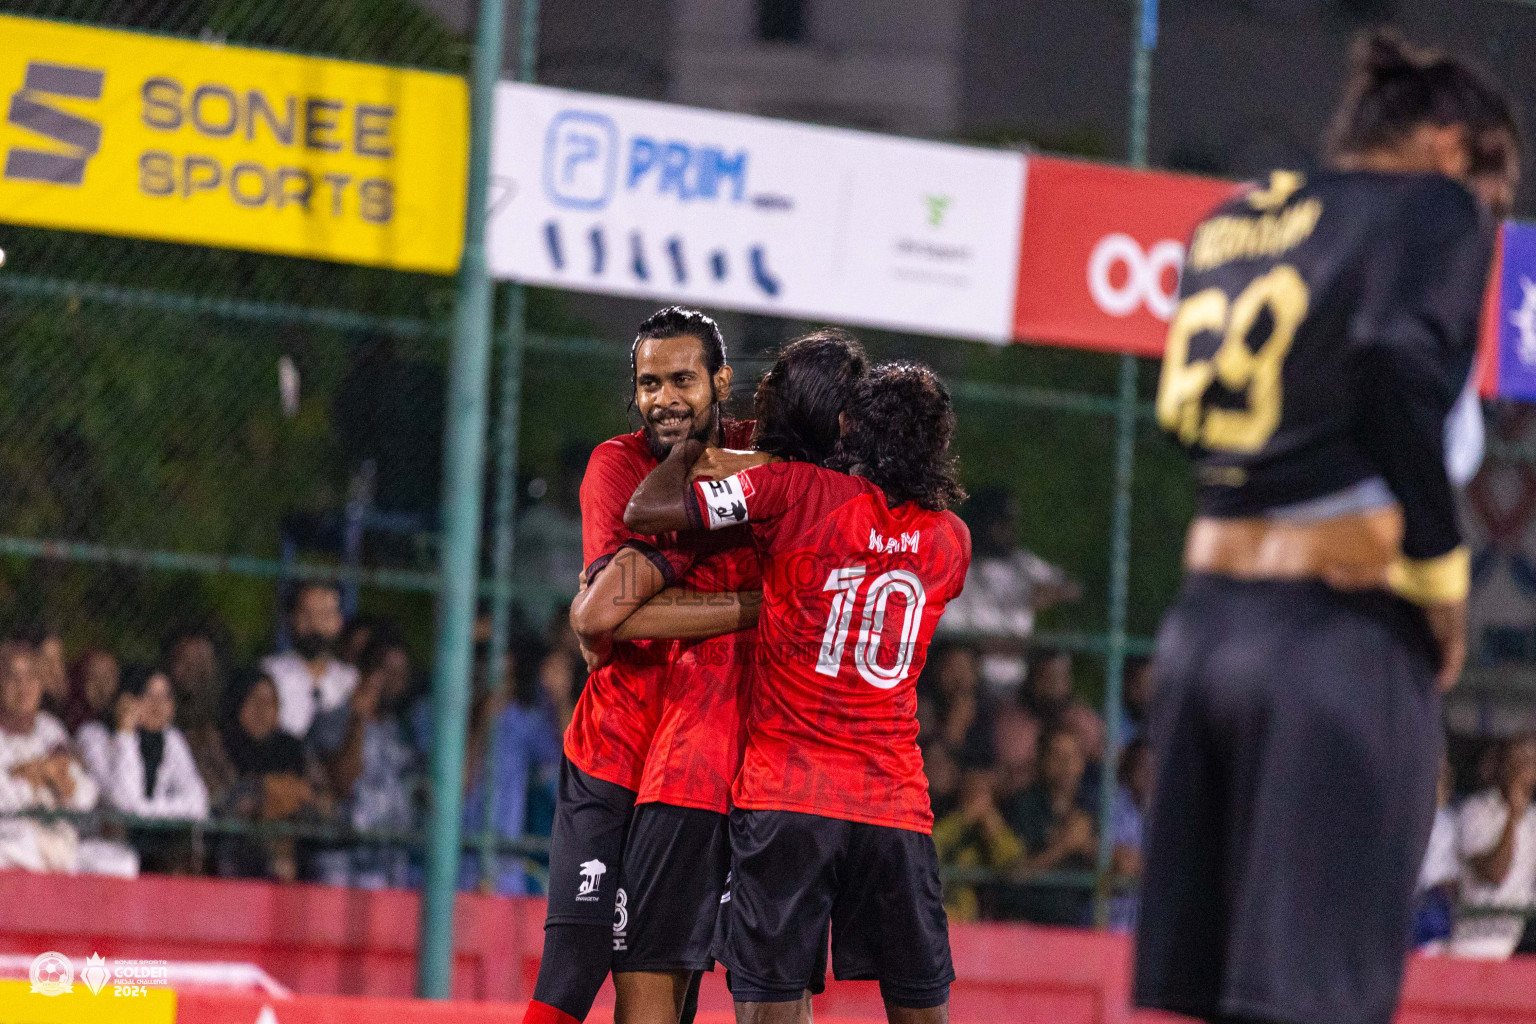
(679, 377)
(1327, 325)
(831, 820)
(678, 853)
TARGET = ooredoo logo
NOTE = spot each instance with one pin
(1123, 277)
(29, 109)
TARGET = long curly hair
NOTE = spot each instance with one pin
(902, 424)
(801, 396)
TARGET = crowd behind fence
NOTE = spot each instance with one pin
(188, 435)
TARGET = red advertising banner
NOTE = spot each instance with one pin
(1101, 252)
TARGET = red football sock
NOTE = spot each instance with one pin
(543, 1013)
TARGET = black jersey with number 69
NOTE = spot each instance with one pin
(1326, 327)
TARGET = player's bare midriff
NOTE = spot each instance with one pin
(1354, 551)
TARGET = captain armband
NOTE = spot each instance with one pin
(1443, 580)
(725, 501)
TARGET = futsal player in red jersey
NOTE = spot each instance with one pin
(678, 852)
(680, 379)
(831, 820)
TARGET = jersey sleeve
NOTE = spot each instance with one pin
(755, 495)
(612, 475)
(1411, 349)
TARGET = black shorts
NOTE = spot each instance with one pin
(1298, 740)
(879, 888)
(586, 851)
(674, 875)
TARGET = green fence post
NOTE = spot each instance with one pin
(459, 573)
(504, 539)
(1144, 35)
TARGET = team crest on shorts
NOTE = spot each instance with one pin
(591, 877)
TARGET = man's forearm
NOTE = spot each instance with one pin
(678, 614)
(660, 504)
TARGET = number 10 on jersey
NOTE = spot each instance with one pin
(845, 584)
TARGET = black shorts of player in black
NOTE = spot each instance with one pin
(792, 874)
(1297, 735)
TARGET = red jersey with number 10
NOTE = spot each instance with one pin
(852, 592)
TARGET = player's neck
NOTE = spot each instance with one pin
(1406, 159)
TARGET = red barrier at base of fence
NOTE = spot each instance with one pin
(326, 943)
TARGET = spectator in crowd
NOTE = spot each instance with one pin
(1131, 800)
(1016, 738)
(193, 660)
(1497, 838)
(525, 733)
(549, 532)
(1136, 698)
(48, 660)
(1048, 695)
(965, 714)
(356, 636)
(310, 678)
(1057, 831)
(38, 773)
(366, 745)
(152, 772)
(943, 776)
(1439, 874)
(1004, 588)
(276, 781)
(974, 835)
(91, 712)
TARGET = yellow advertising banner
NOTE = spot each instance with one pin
(124, 133)
(73, 1002)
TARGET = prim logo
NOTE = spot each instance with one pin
(30, 111)
(591, 877)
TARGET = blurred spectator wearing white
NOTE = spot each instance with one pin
(48, 663)
(367, 747)
(91, 713)
(1004, 588)
(38, 773)
(1497, 838)
(152, 772)
(1439, 875)
(311, 678)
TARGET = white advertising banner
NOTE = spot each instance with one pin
(628, 197)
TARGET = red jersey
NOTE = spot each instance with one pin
(852, 592)
(623, 709)
(696, 751)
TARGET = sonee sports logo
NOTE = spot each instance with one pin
(28, 110)
(591, 877)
